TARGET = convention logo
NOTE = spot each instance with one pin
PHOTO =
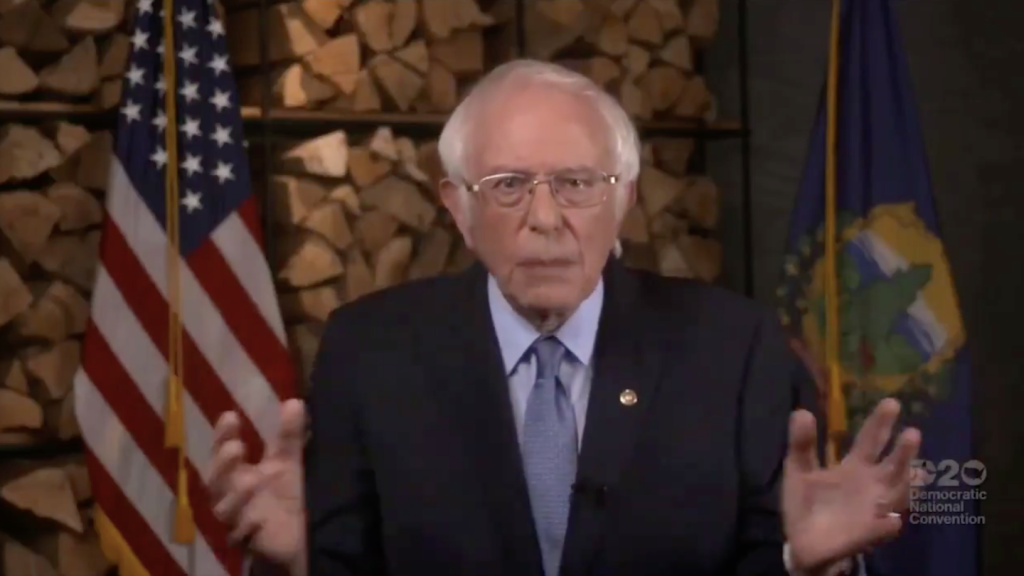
(947, 492)
(900, 325)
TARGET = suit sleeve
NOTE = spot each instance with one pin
(343, 522)
(775, 383)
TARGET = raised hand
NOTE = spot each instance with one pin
(262, 503)
(837, 512)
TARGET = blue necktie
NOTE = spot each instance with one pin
(549, 449)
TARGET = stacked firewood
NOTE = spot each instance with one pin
(64, 51)
(642, 51)
(367, 56)
(51, 182)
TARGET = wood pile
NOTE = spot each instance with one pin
(51, 183)
(642, 51)
(370, 56)
(64, 50)
(671, 228)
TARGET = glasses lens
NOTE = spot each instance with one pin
(579, 187)
(506, 189)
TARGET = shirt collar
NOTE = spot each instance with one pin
(516, 335)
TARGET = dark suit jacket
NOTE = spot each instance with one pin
(413, 466)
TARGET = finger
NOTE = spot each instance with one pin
(244, 529)
(875, 432)
(292, 432)
(228, 427)
(230, 507)
(803, 442)
(226, 462)
(897, 466)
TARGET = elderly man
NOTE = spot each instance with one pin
(549, 412)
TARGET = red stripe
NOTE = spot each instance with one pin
(146, 427)
(243, 317)
(134, 529)
(249, 212)
(149, 306)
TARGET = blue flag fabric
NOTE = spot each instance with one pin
(900, 332)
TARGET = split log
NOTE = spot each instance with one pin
(46, 493)
(16, 77)
(372, 56)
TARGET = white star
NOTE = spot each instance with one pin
(192, 164)
(215, 28)
(159, 157)
(192, 201)
(145, 6)
(220, 99)
(190, 91)
(160, 85)
(160, 49)
(222, 135)
(223, 172)
(187, 19)
(131, 111)
(135, 75)
(140, 39)
(191, 127)
(188, 55)
(218, 64)
(160, 121)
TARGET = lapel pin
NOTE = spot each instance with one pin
(627, 397)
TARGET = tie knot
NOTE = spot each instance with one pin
(549, 351)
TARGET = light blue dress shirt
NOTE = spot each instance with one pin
(577, 334)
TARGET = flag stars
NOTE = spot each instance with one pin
(215, 28)
(223, 172)
(221, 100)
(187, 18)
(221, 135)
(140, 40)
(218, 64)
(190, 91)
(192, 201)
(131, 111)
(188, 55)
(135, 75)
(159, 157)
(192, 165)
(160, 121)
(191, 127)
(160, 85)
(145, 6)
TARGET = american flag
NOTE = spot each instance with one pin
(234, 354)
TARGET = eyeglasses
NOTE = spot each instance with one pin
(571, 188)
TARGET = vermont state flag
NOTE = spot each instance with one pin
(868, 295)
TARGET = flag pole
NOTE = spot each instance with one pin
(836, 411)
(184, 525)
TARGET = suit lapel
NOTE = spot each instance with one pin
(472, 373)
(625, 378)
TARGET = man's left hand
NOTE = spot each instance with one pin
(837, 512)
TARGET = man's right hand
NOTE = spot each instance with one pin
(263, 503)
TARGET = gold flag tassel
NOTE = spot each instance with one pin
(836, 411)
(174, 435)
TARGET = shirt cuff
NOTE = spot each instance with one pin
(844, 567)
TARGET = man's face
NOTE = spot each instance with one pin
(545, 257)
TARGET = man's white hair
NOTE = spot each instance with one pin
(453, 144)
